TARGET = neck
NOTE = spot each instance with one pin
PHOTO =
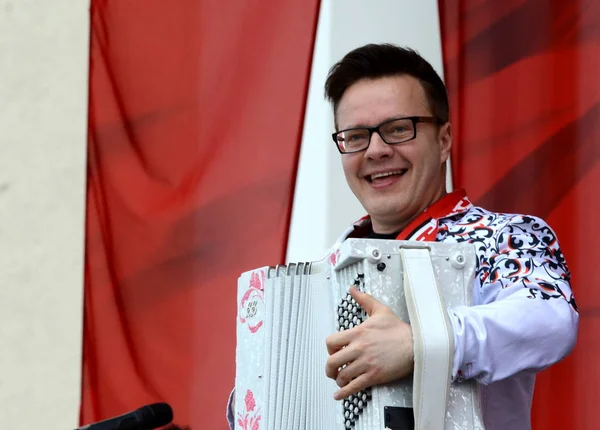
(383, 225)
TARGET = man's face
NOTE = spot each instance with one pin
(418, 176)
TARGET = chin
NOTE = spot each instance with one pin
(386, 211)
(387, 203)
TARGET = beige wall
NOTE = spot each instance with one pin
(43, 116)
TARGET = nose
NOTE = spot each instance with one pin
(378, 148)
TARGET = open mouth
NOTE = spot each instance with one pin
(379, 176)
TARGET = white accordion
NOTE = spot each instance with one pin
(285, 313)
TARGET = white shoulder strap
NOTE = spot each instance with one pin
(433, 339)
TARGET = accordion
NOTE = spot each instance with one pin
(286, 312)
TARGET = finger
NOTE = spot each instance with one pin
(337, 341)
(352, 371)
(356, 385)
(337, 360)
(369, 303)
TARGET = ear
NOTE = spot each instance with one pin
(445, 139)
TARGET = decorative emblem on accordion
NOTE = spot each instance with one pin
(285, 313)
(251, 303)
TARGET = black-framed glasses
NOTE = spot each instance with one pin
(392, 132)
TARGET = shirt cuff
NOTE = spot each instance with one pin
(457, 374)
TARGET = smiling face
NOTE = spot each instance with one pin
(394, 183)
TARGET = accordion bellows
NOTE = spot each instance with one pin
(285, 313)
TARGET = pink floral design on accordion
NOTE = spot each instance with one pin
(249, 419)
(251, 301)
(334, 257)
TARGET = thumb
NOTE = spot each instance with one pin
(369, 303)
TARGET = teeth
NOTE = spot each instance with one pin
(383, 175)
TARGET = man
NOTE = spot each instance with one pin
(393, 132)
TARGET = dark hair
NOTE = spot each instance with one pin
(378, 61)
(175, 427)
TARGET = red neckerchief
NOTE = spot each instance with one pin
(425, 227)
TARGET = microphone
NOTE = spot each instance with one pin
(147, 417)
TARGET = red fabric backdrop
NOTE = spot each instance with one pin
(196, 113)
(524, 83)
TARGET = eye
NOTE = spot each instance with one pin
(355, 135)
(398, 130)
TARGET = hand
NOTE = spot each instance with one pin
(377, 351)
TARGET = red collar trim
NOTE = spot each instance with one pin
(425, 226)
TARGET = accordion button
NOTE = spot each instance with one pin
(361, 404)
